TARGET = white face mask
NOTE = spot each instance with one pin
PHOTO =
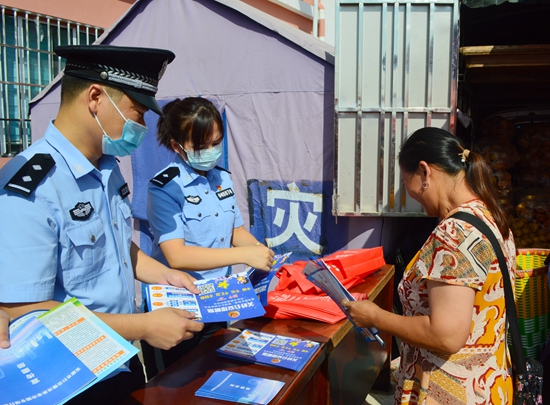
(205, 159)
(132, 136)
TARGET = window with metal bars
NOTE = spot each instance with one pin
(28, 64)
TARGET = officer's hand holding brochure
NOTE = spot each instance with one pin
(320, 274)
(272, 350)
(57, 354)
(239, 388)
(221, 299)
(265, 281)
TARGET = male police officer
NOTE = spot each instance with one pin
(65, 228)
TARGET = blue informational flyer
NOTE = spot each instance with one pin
(272, 350)
(56, 354)
(265, 281)
(241, 388)
(27, 375)
(320, 274)
(221, 299)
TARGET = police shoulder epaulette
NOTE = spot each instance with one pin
(31, 174)
(164, 178)
(222, 169)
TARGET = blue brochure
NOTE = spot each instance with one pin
(320, 274)
(272, 350)
(241, 388)
(56, 354)
(26, 367)
(221, 299)
(265, 281)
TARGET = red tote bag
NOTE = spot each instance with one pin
(296, 297)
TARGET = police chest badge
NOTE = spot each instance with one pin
(223, 194)
(193, 199)
(81, 211)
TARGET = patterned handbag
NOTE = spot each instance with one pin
(527, 371)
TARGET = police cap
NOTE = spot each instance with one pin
(136, 71)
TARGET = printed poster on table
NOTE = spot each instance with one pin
(221, 299)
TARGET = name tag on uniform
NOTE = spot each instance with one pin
(228, 192)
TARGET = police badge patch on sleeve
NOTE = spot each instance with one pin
(81, 211)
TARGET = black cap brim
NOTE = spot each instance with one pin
(148, 101)
(136, 71)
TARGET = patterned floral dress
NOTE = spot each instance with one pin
(457, 254)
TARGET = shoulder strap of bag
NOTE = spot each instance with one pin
(518, 357)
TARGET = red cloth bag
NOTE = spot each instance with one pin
(347, 264)
(296, 297)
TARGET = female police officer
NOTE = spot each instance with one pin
(192, 209)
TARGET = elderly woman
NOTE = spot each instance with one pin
(453, 327)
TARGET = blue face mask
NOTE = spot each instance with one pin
(132, 136)
(205, 159)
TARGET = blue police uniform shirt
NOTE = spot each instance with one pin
(71, 236)
(201, 210)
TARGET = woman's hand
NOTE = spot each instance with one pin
(259, 256)
(363, 313)
(433, 331)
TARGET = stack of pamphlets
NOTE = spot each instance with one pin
(265, 281)
(320, 274)
(221, 299)
(239, 388)
(57, 354)
(273, 350)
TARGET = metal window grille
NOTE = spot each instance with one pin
(28, 64)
